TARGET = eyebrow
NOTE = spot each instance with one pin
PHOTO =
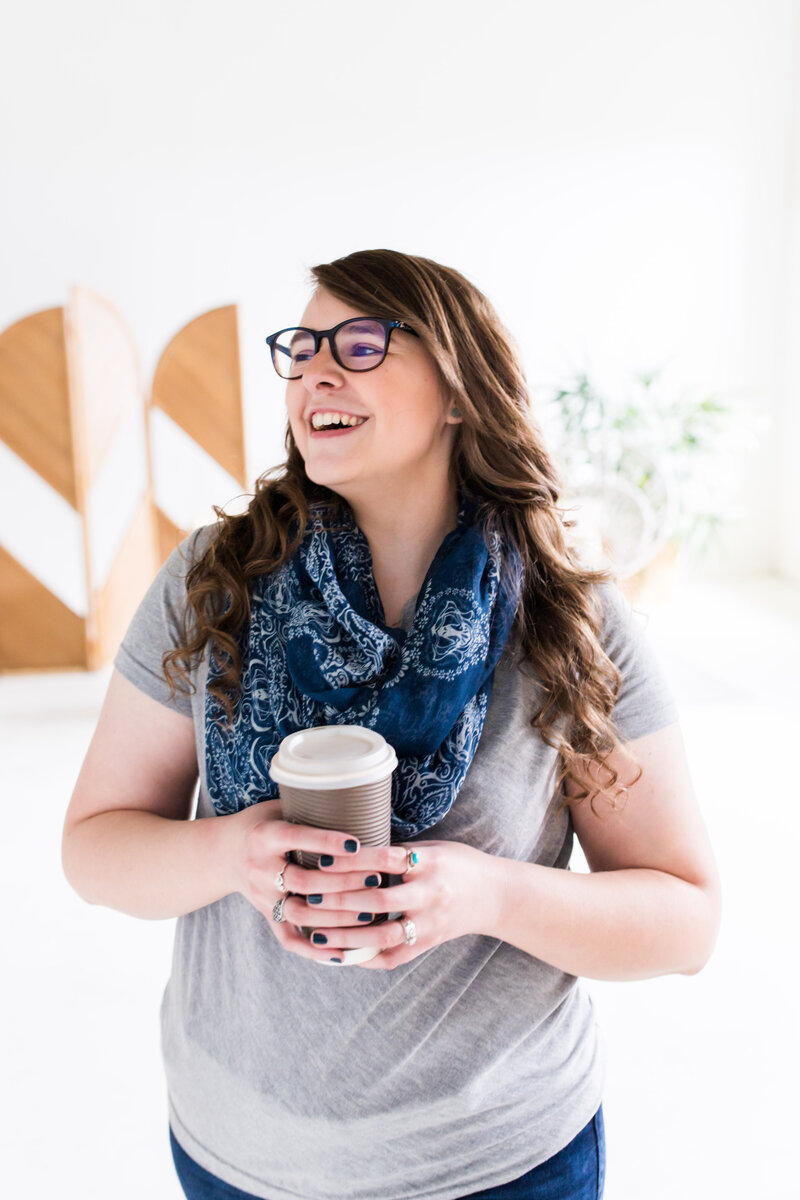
(363, 325)
(359, 325)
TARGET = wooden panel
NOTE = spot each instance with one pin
(168, 534)
(198, 384)
(34, 399)
(105, 376)
(70, 391)
(37, 630)
(130, 576)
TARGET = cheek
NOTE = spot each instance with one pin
(414, 407)
(418, 423)
(294, 412)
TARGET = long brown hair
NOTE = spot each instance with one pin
(499, 458)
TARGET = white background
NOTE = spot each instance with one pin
(623, 180)
(620, 178)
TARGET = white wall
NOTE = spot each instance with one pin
(615, 176)
(788, 419)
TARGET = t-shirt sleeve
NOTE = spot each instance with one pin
(646, 701)
(156, 626)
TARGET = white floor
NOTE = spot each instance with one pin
(702, 1069)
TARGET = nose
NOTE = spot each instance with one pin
(323, 368)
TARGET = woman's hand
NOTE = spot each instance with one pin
(443, 895)
(262, 842)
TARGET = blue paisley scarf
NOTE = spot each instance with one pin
(317, 651)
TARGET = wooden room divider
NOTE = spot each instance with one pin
(70, 408)
(197, 384)
(84, 535)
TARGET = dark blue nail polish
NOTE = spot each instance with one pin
(326, 860)
(314, 899)
(351, 846)
(372, 881)
(319, 939)
(336, 960)
(365, 916)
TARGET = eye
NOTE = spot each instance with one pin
(362, 350)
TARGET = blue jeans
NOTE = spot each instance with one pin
(576, 1173)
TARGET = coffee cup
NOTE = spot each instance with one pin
(337, 777)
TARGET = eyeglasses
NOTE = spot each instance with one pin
(358, 344)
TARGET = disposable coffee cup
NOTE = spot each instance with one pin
(337, 777)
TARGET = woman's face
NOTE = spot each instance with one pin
(407, 437)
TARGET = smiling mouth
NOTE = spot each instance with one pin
(341, 431)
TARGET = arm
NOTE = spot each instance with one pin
(651, 905)
(128, 840)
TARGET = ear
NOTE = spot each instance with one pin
(450, 410)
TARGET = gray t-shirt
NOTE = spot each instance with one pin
(459, 1071)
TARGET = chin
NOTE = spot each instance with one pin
(323, 477)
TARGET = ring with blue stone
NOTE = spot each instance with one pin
(412, 860)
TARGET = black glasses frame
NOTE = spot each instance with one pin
(319, 334)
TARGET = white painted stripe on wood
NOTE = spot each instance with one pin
(42, 531)
(186, 480)
(115, 496)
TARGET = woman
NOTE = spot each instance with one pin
(410, 573)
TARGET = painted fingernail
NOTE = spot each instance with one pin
(314, 899)
(326, 860)
(336, 960)
(372, 881)
(351, 846)
(365, 916)
(319, 939)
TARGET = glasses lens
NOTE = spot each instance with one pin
(361, 344)
(292, 351)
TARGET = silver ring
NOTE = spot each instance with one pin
(412, 860)
(279, 884)
(277, 910)
(409, 931)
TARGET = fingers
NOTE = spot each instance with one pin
(310, 882)
(267, 843)
(334, 873)
(328, 944)
(335, 900)
(385, 936)
(391, 860)
(371, 866)
(300, 912)
(291, 939)
(376, 900)
(285, 836)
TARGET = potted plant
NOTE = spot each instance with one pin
(651, 476)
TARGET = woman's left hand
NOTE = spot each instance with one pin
(444, 895)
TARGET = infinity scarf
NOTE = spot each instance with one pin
(317, 651)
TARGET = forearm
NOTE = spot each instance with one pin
(151, 866)
(626, 924)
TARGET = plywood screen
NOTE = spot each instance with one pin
(73, 432)
(197, 385)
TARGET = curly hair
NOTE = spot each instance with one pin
(499, 458)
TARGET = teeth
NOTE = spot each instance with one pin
(321, 420)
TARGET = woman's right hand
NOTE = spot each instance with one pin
(264, 842)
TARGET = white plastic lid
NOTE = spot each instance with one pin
(332, 756)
